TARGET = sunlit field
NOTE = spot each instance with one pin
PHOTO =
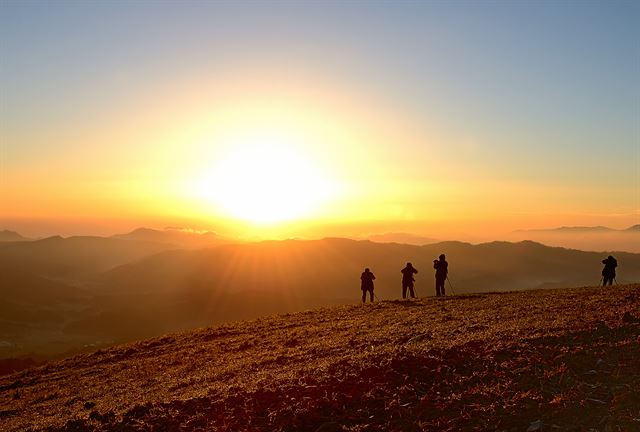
(496, 362)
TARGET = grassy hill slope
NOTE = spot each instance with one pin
(550, 359)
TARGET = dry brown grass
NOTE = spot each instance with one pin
(569, 358)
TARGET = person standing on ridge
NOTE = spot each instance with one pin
(609, 270)
(366, 279)
(442, 269)
(408, 280)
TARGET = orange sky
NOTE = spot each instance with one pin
(303, 133)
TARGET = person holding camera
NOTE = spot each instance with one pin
(408, 280)
(609, 270)
(366, 284)
(442, 269)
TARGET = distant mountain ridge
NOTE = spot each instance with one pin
(594, 238)
(72, 257)
(12, 236)
(580, 229)
(402, 238)
(179, 237)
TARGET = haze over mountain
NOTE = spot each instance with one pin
(583, 229)
(61, 295)
(43, 287)
(73, 257)
(403, 238)
(595, 238)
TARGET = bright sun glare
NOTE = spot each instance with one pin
(266, 182)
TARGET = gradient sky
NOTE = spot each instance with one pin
(438, 118)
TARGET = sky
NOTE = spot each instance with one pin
(462, 119)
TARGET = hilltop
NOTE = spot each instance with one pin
(566, 360)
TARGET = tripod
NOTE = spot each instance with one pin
(450, 286)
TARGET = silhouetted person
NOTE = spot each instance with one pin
(442, 269)
(366, 279)
(609, 270)
(408, 280)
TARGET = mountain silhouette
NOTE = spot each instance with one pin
(177, 237)
(328, 266)
(105, 291)
(402, 238)
(73, 257)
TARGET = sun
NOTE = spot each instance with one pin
(267, 182)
